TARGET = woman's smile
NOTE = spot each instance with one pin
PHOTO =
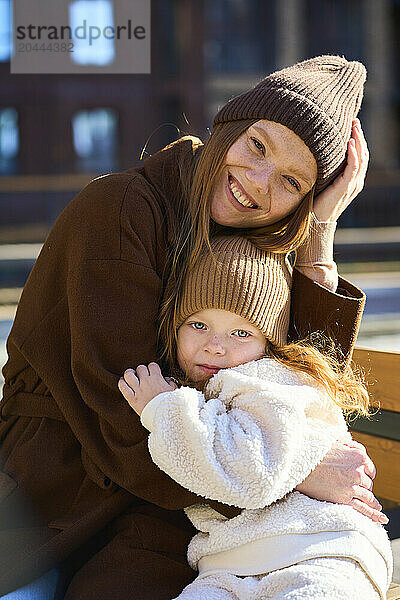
(237, 195)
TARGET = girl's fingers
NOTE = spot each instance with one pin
(154, 369)
(142, 371)
(172, 382)
(130, 378)
(127, 392)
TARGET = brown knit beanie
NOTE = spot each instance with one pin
(317, 99)
(242, 279)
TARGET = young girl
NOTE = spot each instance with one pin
(268, 415)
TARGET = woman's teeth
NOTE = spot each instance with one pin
(240, 197)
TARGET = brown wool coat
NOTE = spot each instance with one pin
(74, 456)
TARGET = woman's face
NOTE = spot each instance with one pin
(268, 170)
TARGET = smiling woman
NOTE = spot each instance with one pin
(267, 172)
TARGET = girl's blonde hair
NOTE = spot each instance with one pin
(340, 382)
(196, 226)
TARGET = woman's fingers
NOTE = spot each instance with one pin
(331, 202)
(366, 462)
(369, 467)
(352, 178)
(363, 158)
(368, 511)
(352, 168)
(362, 141)
(361, 148)
(366, 496)
(365, 502)
(367, 482)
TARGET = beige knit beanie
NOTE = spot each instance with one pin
(317, 99)
(242, 279)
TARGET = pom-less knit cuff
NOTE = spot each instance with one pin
(315, 258)
(319, 246)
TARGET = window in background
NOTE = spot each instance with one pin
(336, 27)
(166, 51)
(239, 48)
(9, 140)
(94, 13)
(394, 19)
(239, 36)
(5, 30)
(95, 138)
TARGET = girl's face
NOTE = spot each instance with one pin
(268, 171)
(215, 339)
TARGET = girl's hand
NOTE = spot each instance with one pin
(345, 477)
(140, 386)
(329, 204)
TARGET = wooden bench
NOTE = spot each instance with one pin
(393, 592)
(381, 435)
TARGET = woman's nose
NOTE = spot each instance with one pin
(260, 178)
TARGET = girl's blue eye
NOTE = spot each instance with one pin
(242, 333)
(293, 182)
(258, 145)
(198, 325)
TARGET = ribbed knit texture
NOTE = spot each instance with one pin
(317, 99)
(244, 280)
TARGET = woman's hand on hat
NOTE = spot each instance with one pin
(329, 204)
(140, 386)
(345, 476)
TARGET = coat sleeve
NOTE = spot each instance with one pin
(248, 447)
(336, 314)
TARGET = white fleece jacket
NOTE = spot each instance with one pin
(261, 432)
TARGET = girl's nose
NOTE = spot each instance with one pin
(215, 346)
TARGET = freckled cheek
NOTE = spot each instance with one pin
(253, 351)
(183, 352)
(284, 206)
(240, 352)
(187, 350)
(239, 153)
(218, 193)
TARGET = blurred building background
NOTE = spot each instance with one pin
(59, 131)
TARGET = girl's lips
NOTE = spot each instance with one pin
(232, 198)
(209, 369)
